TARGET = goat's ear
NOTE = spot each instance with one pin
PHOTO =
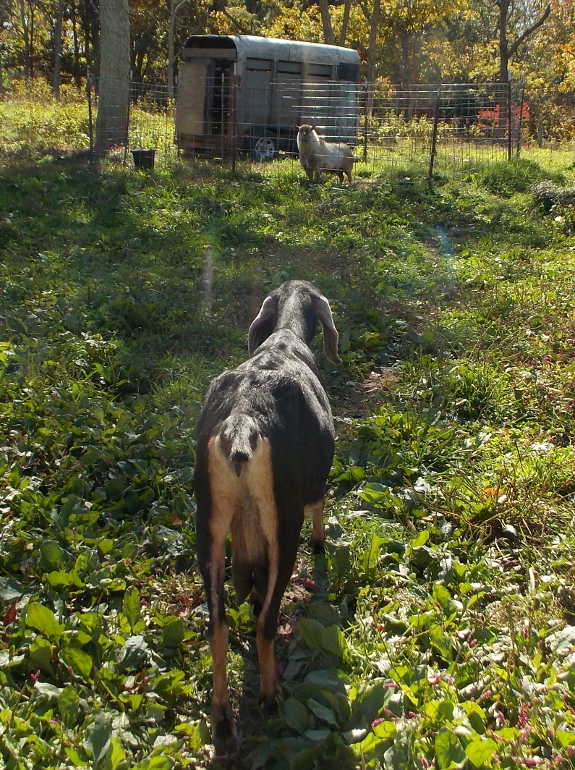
(330, 335)
(263, 324)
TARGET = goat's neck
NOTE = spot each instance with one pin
(301, 321)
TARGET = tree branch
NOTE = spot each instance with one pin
(529, 31)
(237, 25)
(363, 7)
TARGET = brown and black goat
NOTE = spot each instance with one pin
(265, 447)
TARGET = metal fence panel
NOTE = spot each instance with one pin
(434, 128)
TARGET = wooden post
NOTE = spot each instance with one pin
(509, 127)
(540, 131)
(520, 119)
(365, 123)
(128, 120)
(223, 114)
(234, 120)
(434, 135)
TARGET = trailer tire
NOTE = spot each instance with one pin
(263, 146)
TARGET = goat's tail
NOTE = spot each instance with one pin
(239, 435)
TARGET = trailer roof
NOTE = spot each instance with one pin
(274, 48)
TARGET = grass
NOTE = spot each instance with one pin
(438, 629)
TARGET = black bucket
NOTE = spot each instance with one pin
(143, 159)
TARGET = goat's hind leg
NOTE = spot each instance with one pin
(213, 522)
(280, 569)
(317, 539)
(211, 558)
(281, 563)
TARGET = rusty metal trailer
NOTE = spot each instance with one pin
(248, 93)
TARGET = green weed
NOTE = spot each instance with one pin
(505, 179)
(436, 631)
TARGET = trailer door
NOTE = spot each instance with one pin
(316, 107)
(287, 94)
(257, 92)
(192, 78)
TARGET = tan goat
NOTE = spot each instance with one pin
(317, 155)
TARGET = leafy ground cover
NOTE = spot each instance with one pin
(439, 629)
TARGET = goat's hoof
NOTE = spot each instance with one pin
(224, 730)
(317, 546)
(270, 701)
(256, 603)
(270, 704)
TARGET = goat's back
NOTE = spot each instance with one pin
(280, 388)
(265, 447)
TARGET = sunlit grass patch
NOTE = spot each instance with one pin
(32, 118)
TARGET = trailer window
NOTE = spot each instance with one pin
(293, 67)
(258, 64)
(348, 71)
(319, 70)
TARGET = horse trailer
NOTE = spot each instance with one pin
(248, 93)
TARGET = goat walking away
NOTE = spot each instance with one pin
(317, 155)
(265, 447)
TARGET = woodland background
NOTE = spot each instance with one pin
(400, 41)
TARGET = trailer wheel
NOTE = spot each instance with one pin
(264, 147)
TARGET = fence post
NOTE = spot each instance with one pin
(128, 116)
(540, 131)
(509, 127)
(434, 135)
(365, 128)
(233, 102)
(520, 121)
(223, 114)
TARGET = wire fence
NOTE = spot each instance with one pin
(427, 129)
(138, 116)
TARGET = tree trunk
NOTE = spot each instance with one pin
(77, 75)
(26, 36)
(88, 53)
(58, 47)
(171, 52)
(328, 35)
(3, 19)
(114, 86)
(345, 22)
(89, 20)
(372, 54)
(506, 51)
(174, 8)
(502, 127)
(503, 44)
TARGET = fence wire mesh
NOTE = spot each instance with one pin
(145, 122)
(444, 126)
(437, 128)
